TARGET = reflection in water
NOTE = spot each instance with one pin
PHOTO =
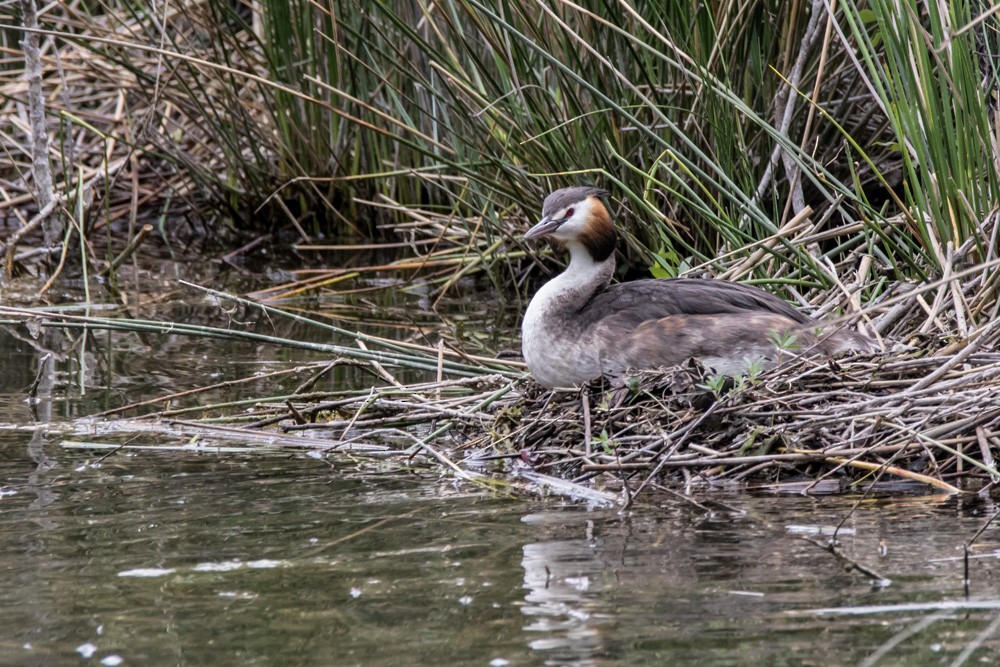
(36, 482)
(744, 587)
(566, 621)
(183, 559)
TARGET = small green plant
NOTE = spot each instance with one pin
(715, 384)
(783, 340)
(750, 378)
(755, 367)
(634, 384)
(606, 443)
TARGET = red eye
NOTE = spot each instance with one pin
(569, 213)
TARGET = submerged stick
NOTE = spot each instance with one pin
(899, 472)
(877, 579)
(968, 546)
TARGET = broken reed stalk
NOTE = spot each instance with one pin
(44, 194)
(129, 250)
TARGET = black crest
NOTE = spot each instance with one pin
(560, 199)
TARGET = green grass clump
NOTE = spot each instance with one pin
(716, 125)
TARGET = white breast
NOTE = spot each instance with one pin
(558, 345)
(557, 355)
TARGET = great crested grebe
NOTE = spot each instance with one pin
(580, 326)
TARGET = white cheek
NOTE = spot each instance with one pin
(572, 228)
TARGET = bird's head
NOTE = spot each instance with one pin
(577, 216)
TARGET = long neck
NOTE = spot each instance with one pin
(573, 288)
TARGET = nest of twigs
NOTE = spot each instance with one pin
(933, 419)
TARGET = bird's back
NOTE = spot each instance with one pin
(726, 326)
(642, 300)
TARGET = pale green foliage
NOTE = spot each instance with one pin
(605, 442)
(751, 377)
(481, 108)
(748, 379)
(783, 340)
(716, 384)
(634, 384)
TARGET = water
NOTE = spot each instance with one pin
(170, 558)
(181, 558)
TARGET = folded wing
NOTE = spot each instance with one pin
(633, 303)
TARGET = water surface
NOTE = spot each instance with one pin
(171, 558)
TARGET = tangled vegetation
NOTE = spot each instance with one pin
(845, 155)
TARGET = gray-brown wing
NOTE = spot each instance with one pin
(642, 300)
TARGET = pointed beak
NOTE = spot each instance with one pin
(544, 227)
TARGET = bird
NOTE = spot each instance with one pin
(579, 326)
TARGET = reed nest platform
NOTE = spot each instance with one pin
(852, 424)
(927, 418)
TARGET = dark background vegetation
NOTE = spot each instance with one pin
(718, 126)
